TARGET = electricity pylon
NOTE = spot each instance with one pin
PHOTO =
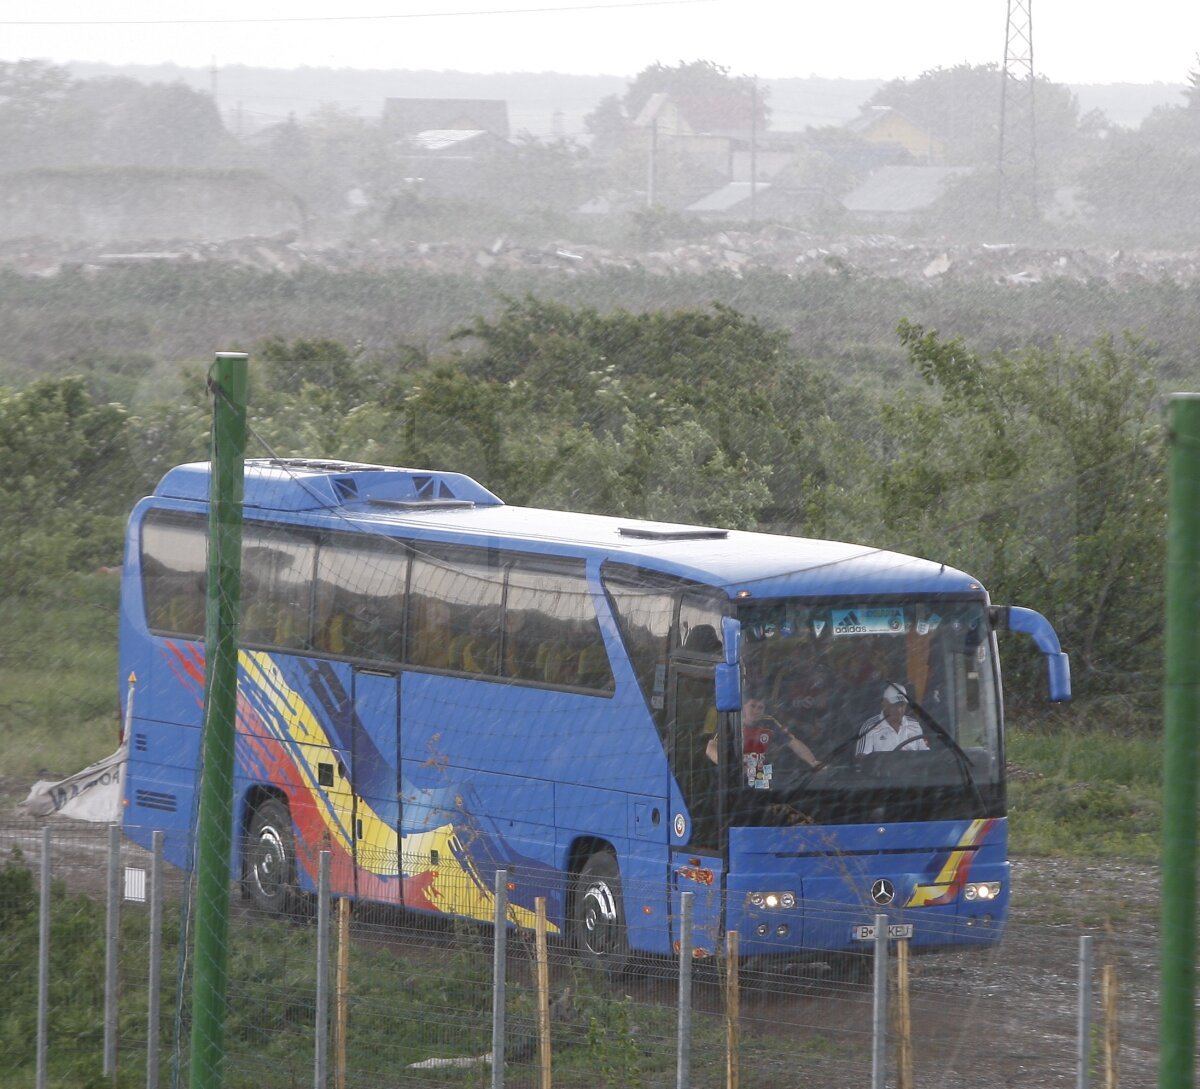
(1016, 163)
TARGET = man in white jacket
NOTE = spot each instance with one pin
(892, 728)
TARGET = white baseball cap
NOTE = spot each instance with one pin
(895, 693)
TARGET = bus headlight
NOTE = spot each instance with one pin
(981, 890)
(772, 900)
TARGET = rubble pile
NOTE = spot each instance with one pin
(737, 253)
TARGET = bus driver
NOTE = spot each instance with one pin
(892, 728)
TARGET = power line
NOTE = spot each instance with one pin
(351, 18)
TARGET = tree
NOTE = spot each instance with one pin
(535, 175)
(960, 107)
(47, 119)
(608, 125)
(30, 93)
(708, 98)
(157, 125)
(1141, 190)
(326, 155)
(1041, 472)
(66, 482)
(691, 408)
(1192, 92)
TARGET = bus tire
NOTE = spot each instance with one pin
(270, 858)
(598, 915)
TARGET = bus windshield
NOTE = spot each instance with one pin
(862, 710)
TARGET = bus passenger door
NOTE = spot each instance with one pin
(377, 786)
(697, 865)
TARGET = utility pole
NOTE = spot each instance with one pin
(754, 149)
(1016, 162)
(652, 164)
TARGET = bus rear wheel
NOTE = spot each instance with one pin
(598, 916)
(270, 858)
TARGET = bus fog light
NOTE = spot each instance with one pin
(781, 931)
(762, 930)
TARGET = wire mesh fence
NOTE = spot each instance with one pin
(96, 986)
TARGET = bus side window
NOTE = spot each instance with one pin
(332, 632)
(277, 586)
(521, 645)
(558, 637)
(481, 649)
(558, 661)
(458, 595)
(360, 598)
(593, 665)
(431, 633)
(174, 567)
(644, 609)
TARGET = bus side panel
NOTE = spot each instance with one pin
(523, 813)
(294, 738)
(164, 751)
(701, 874)
(627, 823)
(295, 725)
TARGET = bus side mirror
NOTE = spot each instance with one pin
(1059, 668)
(1058, 665)
(728, 677)
(729, 687)
(731, 640)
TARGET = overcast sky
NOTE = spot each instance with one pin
(1075, 41)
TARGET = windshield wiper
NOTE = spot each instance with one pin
(961, 759)
(957, 751)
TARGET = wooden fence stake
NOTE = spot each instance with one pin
(903, 1018)
(732, 1009)
(343, 989)
(543, 992)
(1108, 990)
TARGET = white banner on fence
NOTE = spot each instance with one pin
(94, 794)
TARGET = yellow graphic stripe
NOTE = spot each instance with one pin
(310, 745)
(942, 887)
(452, 888)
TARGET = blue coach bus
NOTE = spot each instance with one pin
(434, 685)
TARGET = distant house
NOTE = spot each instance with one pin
(889, 128)
(764, 200)
(895, 196)
(444, 145)
(762, 163)
(405, 116)
(449, 162)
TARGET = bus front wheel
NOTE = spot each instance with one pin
(598, 918)
(270, 857)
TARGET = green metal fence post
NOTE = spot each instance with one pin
(215, 828)
(1182, 702)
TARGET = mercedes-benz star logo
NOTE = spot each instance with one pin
(883, 891)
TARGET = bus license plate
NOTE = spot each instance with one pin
(895, 930)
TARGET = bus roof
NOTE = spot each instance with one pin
(452, 507)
